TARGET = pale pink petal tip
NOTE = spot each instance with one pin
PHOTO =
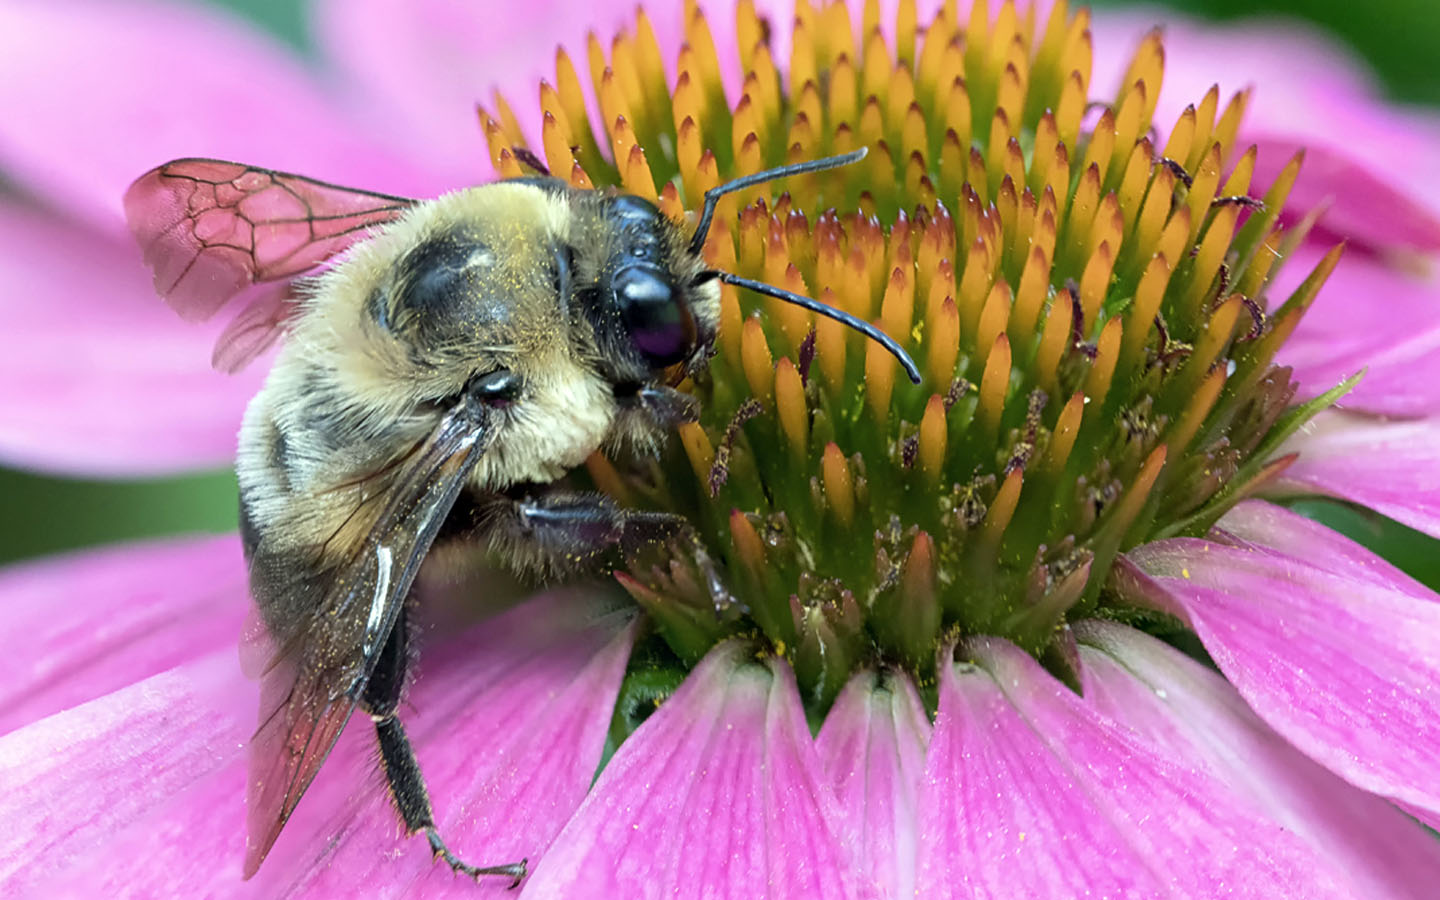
(872, 747)
(719, 793)
(1194, 715)
(1342, 658)
(1032, 793)
(1393, 467)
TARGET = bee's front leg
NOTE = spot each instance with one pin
(665, 406)
(564, 531)
(581, 525)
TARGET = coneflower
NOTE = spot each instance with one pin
(1025, 629)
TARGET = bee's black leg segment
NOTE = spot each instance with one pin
(402, 770)
(581, 525)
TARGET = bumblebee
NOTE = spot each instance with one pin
(478, 345)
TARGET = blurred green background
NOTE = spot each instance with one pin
(1400, 38)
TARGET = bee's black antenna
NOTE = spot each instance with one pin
(702, 230)
(829, 312)
(712, 196)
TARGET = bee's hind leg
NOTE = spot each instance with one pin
(381, 699)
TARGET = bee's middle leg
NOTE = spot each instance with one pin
(381, 699)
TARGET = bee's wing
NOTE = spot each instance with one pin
(211, 229)
(308, 693)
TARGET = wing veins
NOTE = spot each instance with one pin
(210, 229)
(246, 170)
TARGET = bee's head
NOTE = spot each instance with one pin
(652, 302)
(657, 303)
(651, 299)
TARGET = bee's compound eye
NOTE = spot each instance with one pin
(655, 316)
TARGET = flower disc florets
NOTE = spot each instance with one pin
(1089, 309)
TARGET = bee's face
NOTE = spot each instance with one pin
(648, 298)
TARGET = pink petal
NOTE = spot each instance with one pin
(79, 626)
(443, 58)
(872, 746)
(113, 382)
(1267, 527)
(1344, 666)
(1391, 467)
(1308, 90)
(1360, 203)
(718, 794)
(1196, 716)
(95, 93)
(1372, 317)
(1031, 793)
(71, 782)
(508, 721)
(1427, 818)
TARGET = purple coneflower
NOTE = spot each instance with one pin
(944, 659)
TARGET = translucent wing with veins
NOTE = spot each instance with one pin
(211, 229)
(313, 684)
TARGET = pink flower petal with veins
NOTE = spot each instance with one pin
(508, 721)
(872, 747)
(1030, 792)
(1196, 717)
(1368, 317)
(718, 794)
(1392, 467)
(115, 384)
(70, 782)
(1345, 666)
(80, 626)
(1270, 528)
(165, 81)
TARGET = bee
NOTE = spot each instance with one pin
(455, 358)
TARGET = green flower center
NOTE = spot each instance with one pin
(1089, 310)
